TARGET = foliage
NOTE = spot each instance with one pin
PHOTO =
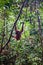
(29, 49)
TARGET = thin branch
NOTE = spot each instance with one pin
(24, 3)
(40, 32)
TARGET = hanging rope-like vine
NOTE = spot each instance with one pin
(24, 3)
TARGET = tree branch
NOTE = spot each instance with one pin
(24, 3)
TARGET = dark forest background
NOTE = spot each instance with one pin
(29, 49)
